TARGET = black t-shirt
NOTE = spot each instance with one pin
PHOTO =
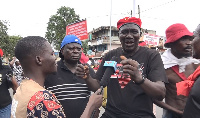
(5, 98)
(192, 107)
(132, 101)
(71, 91)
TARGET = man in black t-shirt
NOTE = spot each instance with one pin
(192, 85)
(5, 84)
(130, 95)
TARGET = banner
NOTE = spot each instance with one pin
(79, 29)
(151, 39)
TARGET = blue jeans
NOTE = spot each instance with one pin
(169, 114)
(5, 112)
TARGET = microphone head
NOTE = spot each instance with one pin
(111, 67)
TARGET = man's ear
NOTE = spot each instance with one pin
(38, 60)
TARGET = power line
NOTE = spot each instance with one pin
(128, 13)
(154, 18)
(158, 6)
(109, 15)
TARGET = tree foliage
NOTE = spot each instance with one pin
(7, 43)
(11, 45)
(3, 35)
(85, 46)
(56, 29)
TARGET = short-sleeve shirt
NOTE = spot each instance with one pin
(18, 72)
(132, 101)
(71, 91)
(43, 104)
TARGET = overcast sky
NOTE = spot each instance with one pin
(30, 17)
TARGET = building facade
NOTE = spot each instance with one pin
(100, 41)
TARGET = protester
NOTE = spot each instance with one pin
(17, 69)
(178, 64)
(6, 81)
(134, 99)
(192, 107)
(71, 88)
(85, 61)
(31, 99)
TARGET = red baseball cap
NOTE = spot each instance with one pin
(125, 20)
(175, 32)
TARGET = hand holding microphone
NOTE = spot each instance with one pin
(97, 99)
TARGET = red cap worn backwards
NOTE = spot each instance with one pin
(125, 20)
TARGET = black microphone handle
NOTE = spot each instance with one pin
(105, 79)
(107, 74)
(93, 113)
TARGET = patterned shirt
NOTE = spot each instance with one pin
(43, 104)
(18, 72)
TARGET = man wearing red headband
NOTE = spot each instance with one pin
(178, 65)
(131, 97)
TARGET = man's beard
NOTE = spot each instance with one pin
(187, 55)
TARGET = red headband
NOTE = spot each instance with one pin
(129, 20)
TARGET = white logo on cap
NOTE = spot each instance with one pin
(76, 39)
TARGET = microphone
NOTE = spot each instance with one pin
(110, 70)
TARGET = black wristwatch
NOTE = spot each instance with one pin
(142, 81)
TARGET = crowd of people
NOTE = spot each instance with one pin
(136, 77)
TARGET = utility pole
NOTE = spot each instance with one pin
(131, 13)
(139, 10)
(110, 22)
(133, 8)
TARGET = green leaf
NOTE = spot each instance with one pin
(56, 29)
